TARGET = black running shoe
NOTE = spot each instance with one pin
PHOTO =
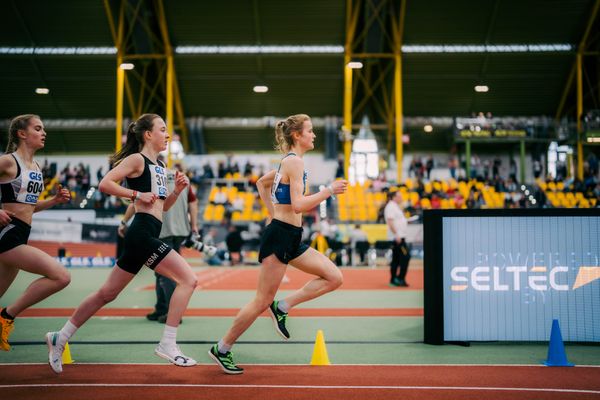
(279, 319)
(153, 316)
(225, 361)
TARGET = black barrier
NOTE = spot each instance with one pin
(98, 233)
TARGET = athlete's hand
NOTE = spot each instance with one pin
(146, 198)
(339, 186)
(62, 195)
(5, 217)
(181, 182)
(121, 230)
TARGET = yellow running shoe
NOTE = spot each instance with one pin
(7, 326)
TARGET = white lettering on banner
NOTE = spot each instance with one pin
(497, 285)
(553, 273)
(479, 278)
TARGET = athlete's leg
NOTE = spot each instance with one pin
(269, 280)
(315, 263)
(54, 276)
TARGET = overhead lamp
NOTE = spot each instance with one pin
(428, 128)
(42, 90)
(355, 65)
(481, 88)
(127, 66)
(260, 89)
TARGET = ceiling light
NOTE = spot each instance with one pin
(42, 90)
(355, 65)
(428, 128)
(258, 49)
(489, 48)
(127, 66)
(481, 88)
(260, 89)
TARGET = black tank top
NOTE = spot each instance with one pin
(153, 179)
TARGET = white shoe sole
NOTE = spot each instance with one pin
(276, 325)
(191, 361)
(49, 343)
(221, 365)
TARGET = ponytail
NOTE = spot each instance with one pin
(135, 137)
(284, 130)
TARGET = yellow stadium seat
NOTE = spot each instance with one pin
(425, 203)
(209, 212)
(219, 212)
(213, 193)
(414, 198)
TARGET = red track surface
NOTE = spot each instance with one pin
(232, 312)
(299, 382)
(241, 278)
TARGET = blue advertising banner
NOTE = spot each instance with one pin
(507, 278)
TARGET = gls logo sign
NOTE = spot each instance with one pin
(484, 278)
(35, 176)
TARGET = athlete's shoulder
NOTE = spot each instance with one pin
(293, 161)
(7, 160)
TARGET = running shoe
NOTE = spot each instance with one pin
(225, 361)
(279, 319)
(7, 326)
(174, 355)
(55, 351)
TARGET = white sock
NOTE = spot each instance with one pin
(66, 332)
(169, 336)
(223, 348)
(283, 306)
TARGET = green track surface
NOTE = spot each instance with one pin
(350, 340)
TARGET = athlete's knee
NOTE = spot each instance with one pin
(107, 295)
(335, 279)
(190, 282)
(60, 276)
(64, 278)
(264, 301)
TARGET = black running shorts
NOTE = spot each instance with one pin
(14, 234)
(142, 245)
(283, 240)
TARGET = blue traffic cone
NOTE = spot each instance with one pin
(556, 350)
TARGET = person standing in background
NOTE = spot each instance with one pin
(397, 228)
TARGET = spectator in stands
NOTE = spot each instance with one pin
(207, 172)
(339, 172)
(474, 200)
(234, 244)
(357, 235)
(398, 233)
(248, 167)
(221, 170)
(593, 163)
(452, 166)
(429, 166)
(537, 169)
(512, 171)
